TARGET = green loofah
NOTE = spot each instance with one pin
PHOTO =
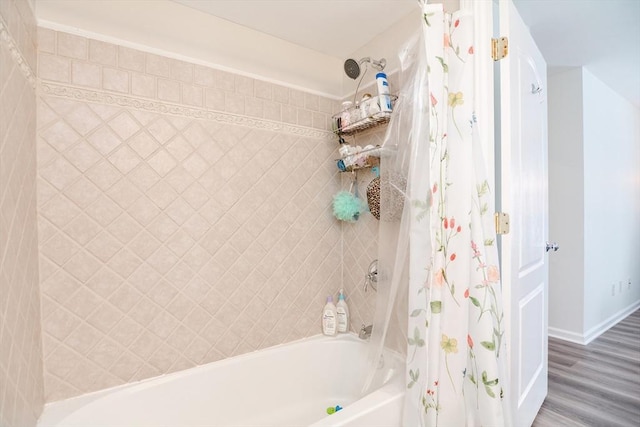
(347, 207)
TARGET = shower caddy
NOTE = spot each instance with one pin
(362, 124)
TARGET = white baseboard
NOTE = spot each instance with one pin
(596, 331)
(565, 335)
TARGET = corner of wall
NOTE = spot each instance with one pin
(566, 201)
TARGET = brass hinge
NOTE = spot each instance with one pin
(502, 223)
(499, 48)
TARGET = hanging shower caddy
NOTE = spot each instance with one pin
(359, 118)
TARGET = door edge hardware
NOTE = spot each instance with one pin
(552, 246)
(499, 48)
(502, 223)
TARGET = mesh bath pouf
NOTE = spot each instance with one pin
(387, 190)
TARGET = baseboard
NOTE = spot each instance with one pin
(565, 335)
(597, 330)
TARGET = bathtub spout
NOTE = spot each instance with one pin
(365, 332)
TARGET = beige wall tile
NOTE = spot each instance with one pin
(281, 94)
(103, 53)
(234, 103)
(192, 95)
(214, 99)
(203, 76)
(21, 377)
(85, 74)
(223, 80)
(116, 80)
(46, 40)
(161, 234)
(72, 46)
(158, 65)
(169, 90)
(143, 85)
(131, 59)
(54, 68)
(272, 111)
(182, 71)
(244, 85)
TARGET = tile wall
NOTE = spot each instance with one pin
(21, 383)
(184, 213)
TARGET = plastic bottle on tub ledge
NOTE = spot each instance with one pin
(383, 93)
(342, 311)
(329, 318)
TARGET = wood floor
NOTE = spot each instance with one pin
(597, 384)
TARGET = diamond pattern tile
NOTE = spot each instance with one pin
(21, 377)
(124, 125)
(178, 241)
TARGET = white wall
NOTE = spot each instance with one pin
(612, 202)
(566, 201)
(594, 192)
(176, 31)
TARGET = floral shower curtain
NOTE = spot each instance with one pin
(455, 330)
(439, 297)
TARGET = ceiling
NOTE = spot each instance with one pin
(602, 35)
(334, 27)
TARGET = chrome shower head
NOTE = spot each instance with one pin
(352, 67)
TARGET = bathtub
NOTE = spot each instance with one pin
(287, 385)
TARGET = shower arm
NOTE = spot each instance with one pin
(379, 65)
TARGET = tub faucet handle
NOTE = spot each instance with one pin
(365, 332)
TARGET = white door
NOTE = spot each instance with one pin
(523, 195)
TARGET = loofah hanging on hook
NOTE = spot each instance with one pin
(347, 206)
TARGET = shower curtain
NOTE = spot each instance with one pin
(439, 298)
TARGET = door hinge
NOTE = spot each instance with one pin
(499, 48)
(502, 223)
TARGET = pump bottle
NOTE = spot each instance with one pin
(342, 311)
(329, 318)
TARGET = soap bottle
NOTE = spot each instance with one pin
(329, 315)
(343, 313)
(346, 153)
(383, 92)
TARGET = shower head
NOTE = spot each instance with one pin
(352, 67)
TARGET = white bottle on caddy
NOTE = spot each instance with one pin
(384, 99)
(329, 318)
(343, 313)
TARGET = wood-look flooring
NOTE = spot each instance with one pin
(597, 384)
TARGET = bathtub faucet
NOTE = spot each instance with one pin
(365, 332)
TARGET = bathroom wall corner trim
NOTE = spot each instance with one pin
(5, 38)
(64, 91)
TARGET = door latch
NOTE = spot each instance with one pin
(552, 246)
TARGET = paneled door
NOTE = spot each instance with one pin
(523, 195)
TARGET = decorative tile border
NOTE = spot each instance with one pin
(5, 37)
(76, 93)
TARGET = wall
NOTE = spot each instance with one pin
(180, 32)
(612, 204)
(594, 186)
(183, 213)
(21, 385)
(566, 201)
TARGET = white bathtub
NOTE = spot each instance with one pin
(287, 385)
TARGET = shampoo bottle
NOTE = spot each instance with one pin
(343, 313)
(329, 318)
(383, 92)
